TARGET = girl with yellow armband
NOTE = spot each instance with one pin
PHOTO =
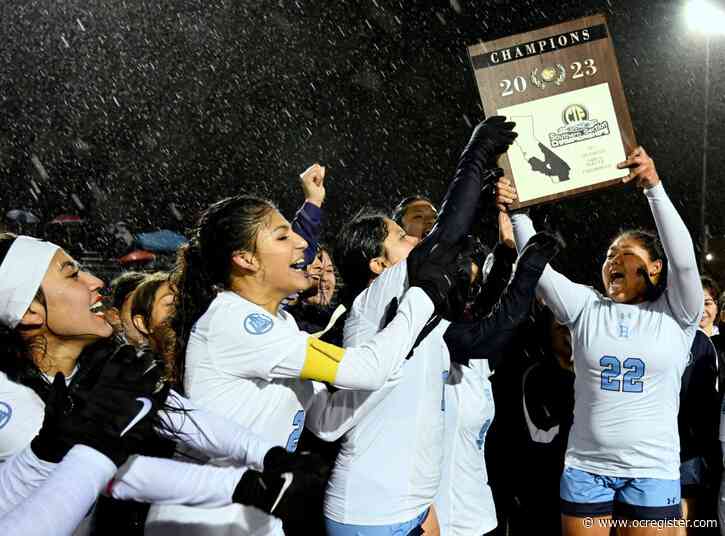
(239, 353)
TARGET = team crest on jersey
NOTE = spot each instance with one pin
(258, 324)
(5, 413)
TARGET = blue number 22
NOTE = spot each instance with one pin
(298, 424)
(631, 382)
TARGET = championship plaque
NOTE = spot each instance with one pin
(561, 86)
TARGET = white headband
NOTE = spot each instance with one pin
(21, 274)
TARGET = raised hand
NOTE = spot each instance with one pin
(642, 168)
(505, 194)
(313, 184)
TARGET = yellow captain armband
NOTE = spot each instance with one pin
(321, 361)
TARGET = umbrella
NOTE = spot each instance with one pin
(66, 218)
(21, 216)
(137, 256)
(163, 241)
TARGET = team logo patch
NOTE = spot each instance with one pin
(5, 413)
(258, 324)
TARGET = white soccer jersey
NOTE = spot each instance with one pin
(234, 353)
(464, 503)
(629, 359)
(245, 364)
(388, 468)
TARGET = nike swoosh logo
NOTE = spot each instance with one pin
(288, 478)
(140, 415)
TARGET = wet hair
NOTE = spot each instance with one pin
(143, 298)
(203, 265)
(123, 285)
(360, 240)
(400, 210)
(651, 243)
(16, 360)
(709, 284)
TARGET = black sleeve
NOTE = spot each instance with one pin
(487, 337)
(503, 263)
(458, 209)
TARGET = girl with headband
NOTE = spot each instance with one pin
(50, 323)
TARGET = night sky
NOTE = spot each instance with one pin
(115, 110)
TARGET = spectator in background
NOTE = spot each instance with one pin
(416, 214)
(709, 321)
(315, 310)
(119, 312)
(699, 417)
(533, 389)
(152, 306)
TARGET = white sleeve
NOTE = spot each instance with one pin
(565, 298)
(371, 364)
(20, 476)
(212, 434)
(330, 415)
(684, 290)
(164, 481)
(262, 347)
(61, 503)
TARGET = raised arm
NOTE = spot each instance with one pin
(308, 221)
(486, 337)
(476, 168)
(565, 298)
(684, 290)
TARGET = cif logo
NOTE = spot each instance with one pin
(574, 113)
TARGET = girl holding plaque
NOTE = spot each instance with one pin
(630, 347)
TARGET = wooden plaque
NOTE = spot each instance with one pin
(561, 86)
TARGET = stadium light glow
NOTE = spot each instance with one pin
(704, 17)
(709, 257)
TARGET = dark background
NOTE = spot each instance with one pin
(134, 105)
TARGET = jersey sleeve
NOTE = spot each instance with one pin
(59, 505)
(212, 434)
(566, 299)
(163, 481)
(331, 414)
(20, 475)
(684, 290)
(21, 416)
(308, 224)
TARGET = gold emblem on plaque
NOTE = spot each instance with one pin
(555, 74)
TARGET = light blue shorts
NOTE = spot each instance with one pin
(398, 529)
(585, 494)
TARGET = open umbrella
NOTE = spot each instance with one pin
(163, 241)
(137, 256)
(21, 216)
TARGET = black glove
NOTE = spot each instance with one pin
(280, 460)
(122, 405)
(50, 444)
(436, 272)
(539, 250)
(490, 139)
(291, 488)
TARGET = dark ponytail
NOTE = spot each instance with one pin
(651, 242)
(203, 266)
